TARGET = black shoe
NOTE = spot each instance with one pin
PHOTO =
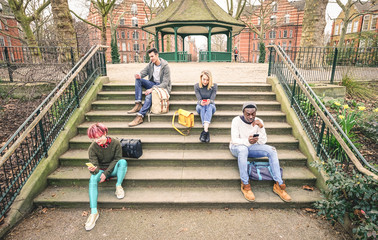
(207, 137)
(202, 137)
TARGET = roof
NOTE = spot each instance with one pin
(193, 17)
(299, 5)
(364, 7)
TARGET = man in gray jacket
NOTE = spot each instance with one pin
(159, 76)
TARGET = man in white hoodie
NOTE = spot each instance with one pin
(248, 138)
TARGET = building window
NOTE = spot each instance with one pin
(287, 18)
(365, 25)
(280, 34)
(285, 34)
(136, 46)
(272, 34)
(134, 9)
(273, 20)
(128, 47)
(1, 25)
(123, 35)
(135, 35)
(124, 47)
(258, 21)
(355, 26)
(128, 35)
(289, 45)
(144, 49)
(253, 46)
(2, 42)
(336, 29)
(274, 7)
(264, 35)
(6, 24)
(291, 33)
(134, 22)
(117, 35)
(122, 21)
(349, 27)
(284, 45)
(9, 42)
(374, 23)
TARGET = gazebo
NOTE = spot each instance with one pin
(194, 17)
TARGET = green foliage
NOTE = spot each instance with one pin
(114, 50)
(262, 52)
(355, 88)
(368, 124)
(349, 194)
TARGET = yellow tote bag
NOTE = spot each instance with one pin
(185, 118)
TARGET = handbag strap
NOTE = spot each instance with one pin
(173, 125)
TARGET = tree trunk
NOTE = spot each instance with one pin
(65, 30)
(344, 28)
(103, 31)
(313, 23)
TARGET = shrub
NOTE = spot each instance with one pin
(350, 194)
(356, 88)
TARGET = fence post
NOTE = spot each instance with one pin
(334, 65)
(72, 57)
(320, 139)
(10, 71)
(103, 63)
(42, 135)
(270, 61)
(293, 93)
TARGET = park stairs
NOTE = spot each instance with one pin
(178, 171)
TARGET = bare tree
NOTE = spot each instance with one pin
(264, 11)
(240, 4)
(25, 18)
(218, 42)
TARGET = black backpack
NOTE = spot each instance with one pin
(131, 148)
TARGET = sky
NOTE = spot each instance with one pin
(332, 12)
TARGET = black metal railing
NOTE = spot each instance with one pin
(325, 134)
(31, 142)
(330, 64)
(28, 63)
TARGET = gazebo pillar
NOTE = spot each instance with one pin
(228, 41)
(157, 40)
(162, 42)
(176, 55)
(209, 45)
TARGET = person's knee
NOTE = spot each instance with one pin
(94, 179)
(122, 163)
(242, 150)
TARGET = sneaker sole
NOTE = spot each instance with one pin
(92, 226)
(281, 197)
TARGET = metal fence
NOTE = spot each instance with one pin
(31, 142)
(324, 132)
(330, 64)
(205, 56)
(31, 64)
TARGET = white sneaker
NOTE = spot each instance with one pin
(91, 222)
(119, 192)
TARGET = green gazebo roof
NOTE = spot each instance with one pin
(193, 17)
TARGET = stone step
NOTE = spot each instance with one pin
(73, 197)
(177, 177)
(242, 96)
(176, 104)
(219, 116)
(166, 128)
(184, 158)
(190, 87)
(178, 142)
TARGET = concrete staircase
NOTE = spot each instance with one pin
(178, 171)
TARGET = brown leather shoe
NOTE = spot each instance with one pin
(137, 120)
(136, 108)
(280, 191)
(247, 192)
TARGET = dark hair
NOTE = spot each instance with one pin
(154, 50)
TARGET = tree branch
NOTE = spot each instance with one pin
(14, 37)
(41, 8)
(89, 23)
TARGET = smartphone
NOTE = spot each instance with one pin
(206, 100)
(89, 164)
(256, 135)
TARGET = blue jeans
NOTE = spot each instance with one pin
(242, 152)
(206, 112)
(119, 171)
(139, 83)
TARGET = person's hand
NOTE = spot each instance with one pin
(252, 140)
(207, 102)
(137, 76)
(203, 103)
(258, 123)
(148, 91)
(103, 177)
(92, 169)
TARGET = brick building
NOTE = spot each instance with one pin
(358, 27)
(133, 42)
(8, 27)
(287, 31)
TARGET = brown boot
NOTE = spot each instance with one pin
(136, 108)
(137, 120)
(247, 192)
(280, 191)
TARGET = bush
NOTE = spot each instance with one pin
(262, 52)
(350, 194)
(355, 88)
(368, 124)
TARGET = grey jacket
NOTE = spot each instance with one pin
(165, 74)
